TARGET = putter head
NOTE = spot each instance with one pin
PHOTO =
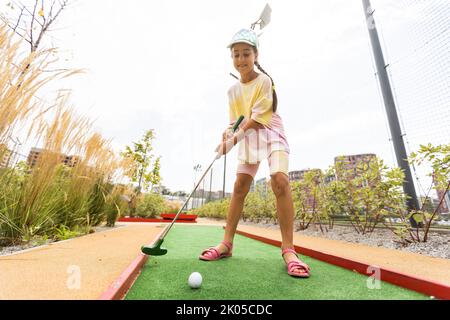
(154, 249)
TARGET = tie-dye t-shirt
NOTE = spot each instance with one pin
(253, 100)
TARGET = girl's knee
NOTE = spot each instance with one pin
(280, 184)
(242, 185)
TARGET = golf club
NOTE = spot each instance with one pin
(155, 249)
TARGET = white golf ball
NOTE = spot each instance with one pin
(195, 280)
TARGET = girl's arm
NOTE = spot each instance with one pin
(252, 124)
(249, 124)
(230, 141)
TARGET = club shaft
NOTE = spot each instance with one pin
(187, 200)
(235, 127)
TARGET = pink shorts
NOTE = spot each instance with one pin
(278, 162)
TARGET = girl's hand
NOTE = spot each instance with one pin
(230, 139)
(227, 134)
(224, 147)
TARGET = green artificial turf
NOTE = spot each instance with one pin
(256, 271)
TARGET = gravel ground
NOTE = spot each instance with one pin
(14, 249)
(32, 244)
(438, 244)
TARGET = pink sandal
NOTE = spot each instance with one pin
(296, 268)
(212, 254)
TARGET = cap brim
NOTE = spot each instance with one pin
(241, 41)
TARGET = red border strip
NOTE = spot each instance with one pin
(438, 290)
(118, 289)
(154, 220)
(172, 216)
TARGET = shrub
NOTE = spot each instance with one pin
(114, 207)
(172, 206)
(369, 196)
(96, 202)
(64, 233)
(215, 209)
(150, 205)
(260, 205)
(439, 158)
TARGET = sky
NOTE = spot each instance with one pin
(164, 65)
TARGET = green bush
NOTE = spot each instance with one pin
(437, 158)
(96, 202)
(64, 233)
(114, 207)
(260, 205)
(257, 206)
(25, 210)
(173, 206)
(310, 200)
(216, 209)
(150, 205)
(59, 209)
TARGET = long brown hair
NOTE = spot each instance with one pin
(275, 98)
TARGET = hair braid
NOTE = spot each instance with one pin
(275, 98)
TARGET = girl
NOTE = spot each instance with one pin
(262, 130)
